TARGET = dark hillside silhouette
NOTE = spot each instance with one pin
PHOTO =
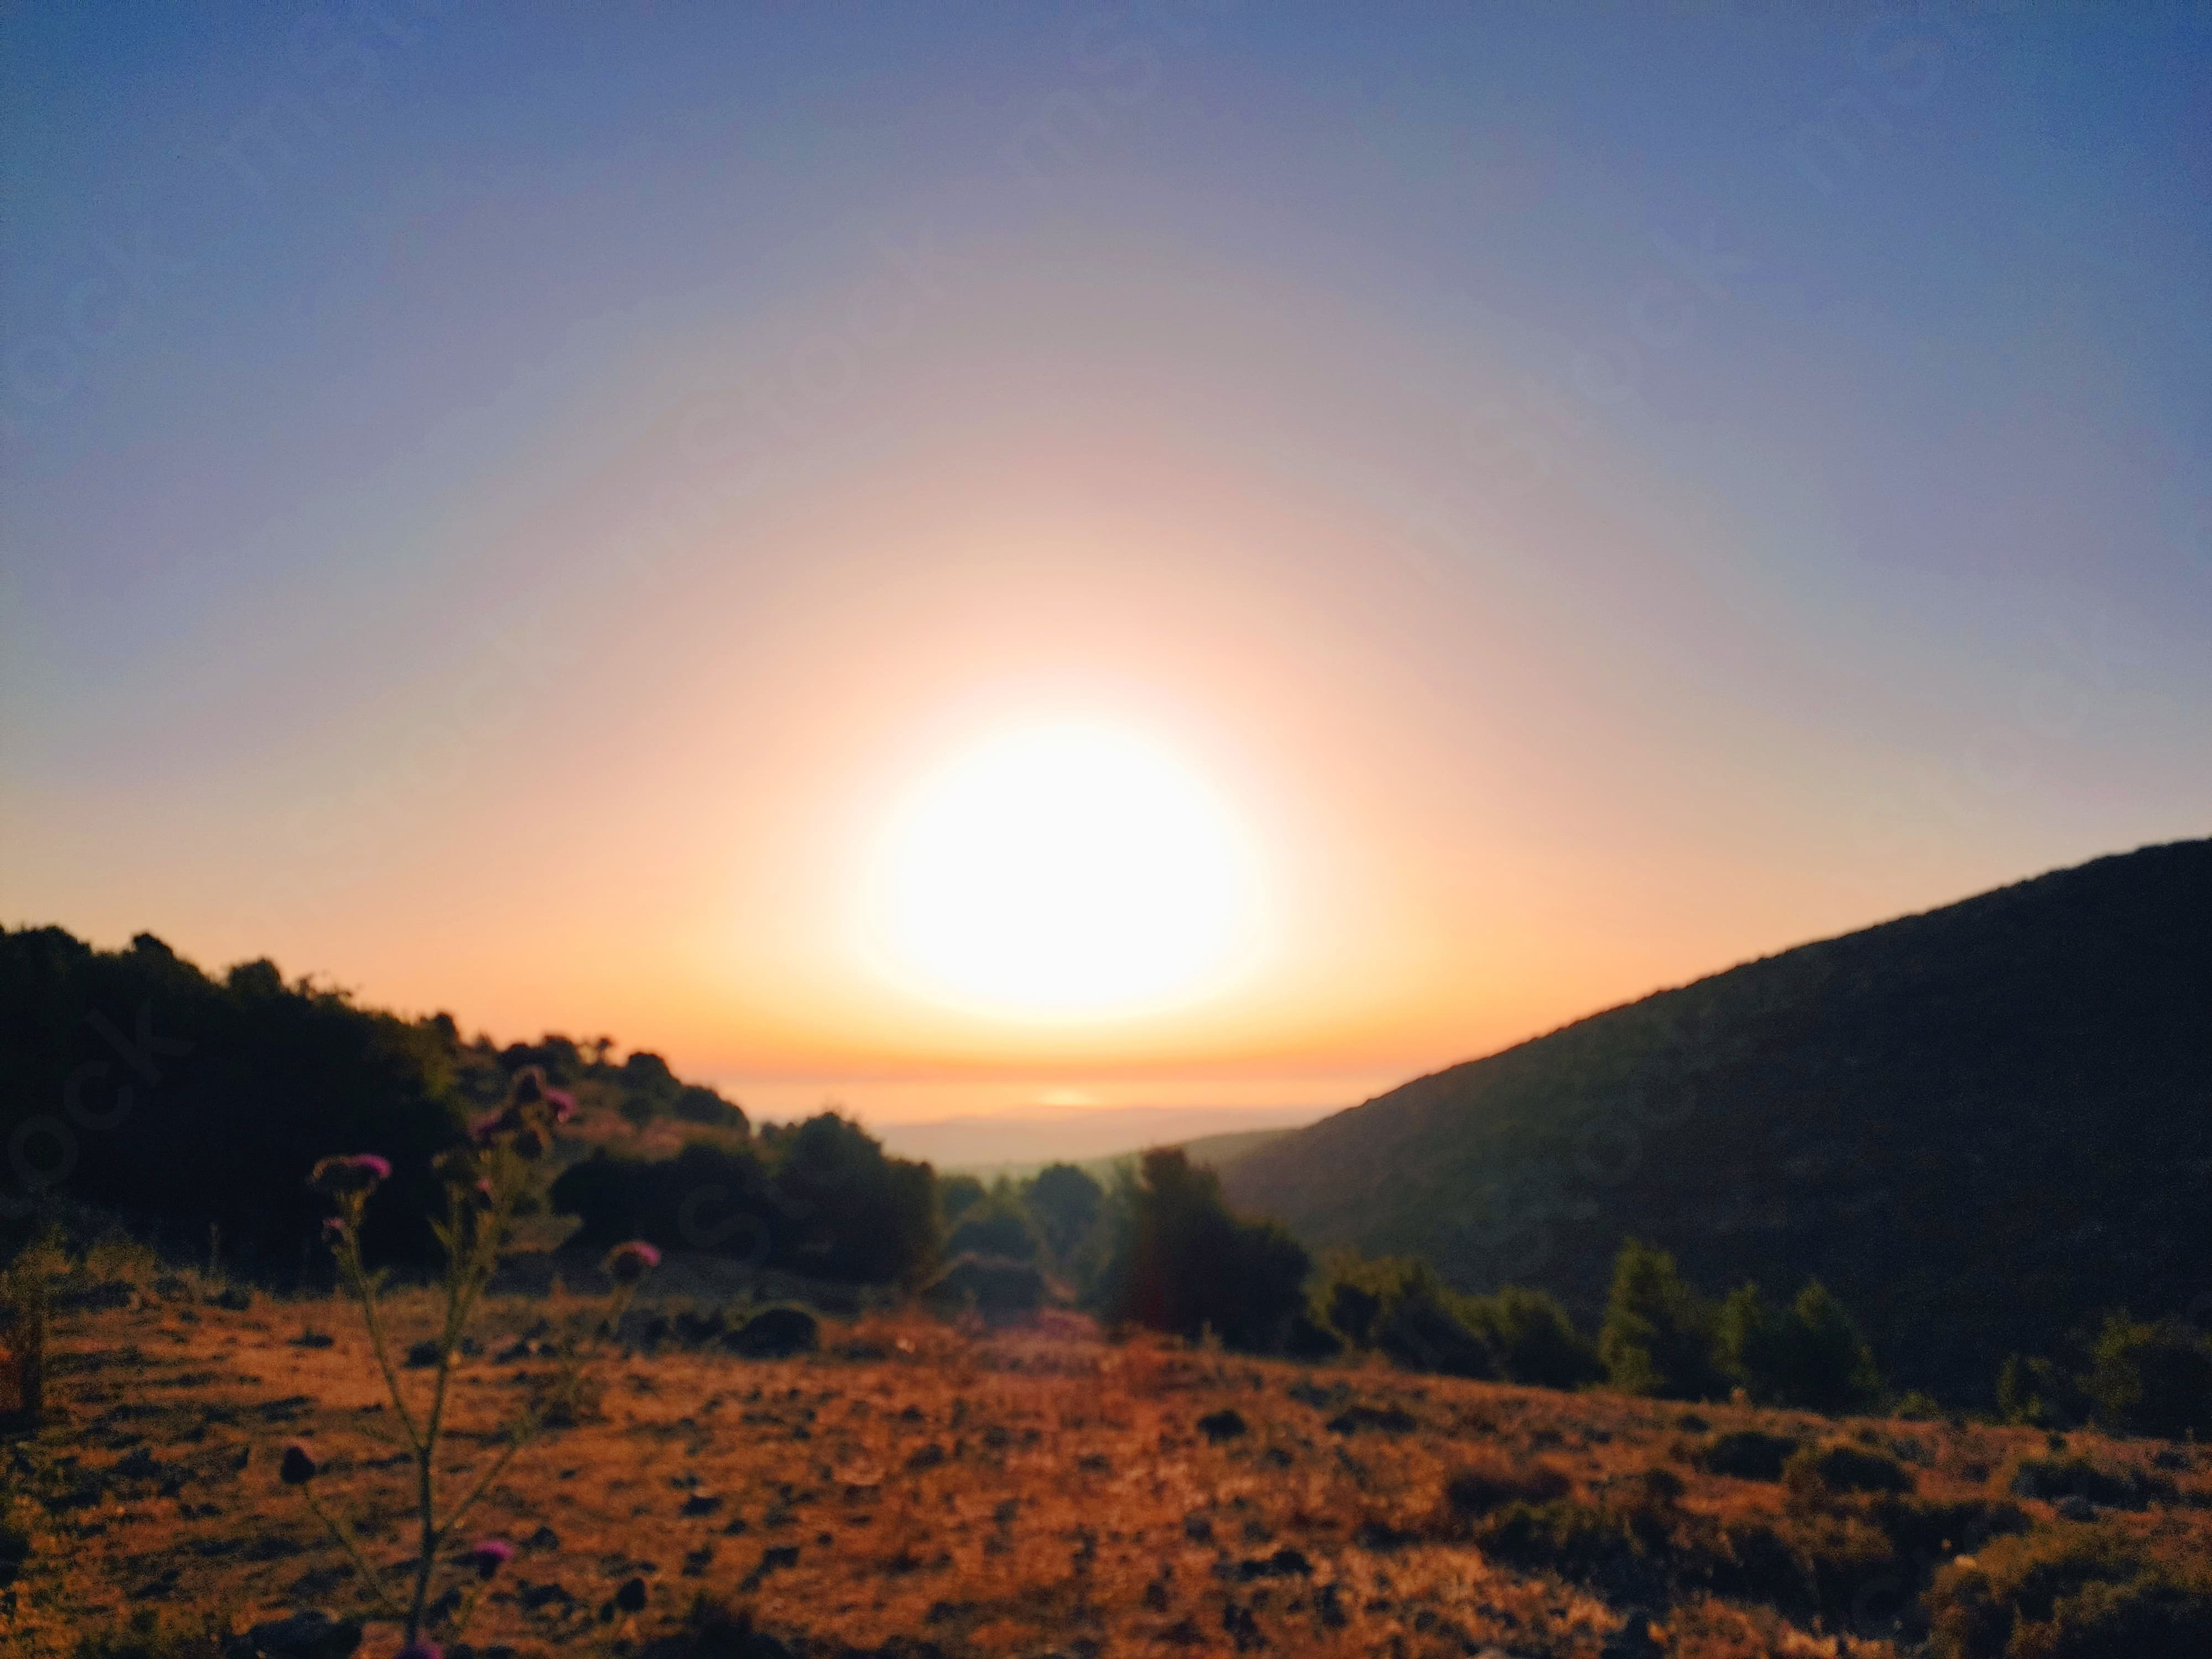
(1980, 1127)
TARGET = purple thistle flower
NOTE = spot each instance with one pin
(563, 1104)
(626, 1264)
(489, 1555)
(369, 1163)
(484, 1127)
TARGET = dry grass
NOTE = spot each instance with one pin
(916, 1487)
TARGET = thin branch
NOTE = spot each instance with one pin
(369, 1574)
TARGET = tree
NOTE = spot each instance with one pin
(1811, 1355)
(2151, 1379)
(1534, 1339)
(1183, 1263)
(997, 1226)
(957, 1195)
(1065, 1200)
(1659, 1335)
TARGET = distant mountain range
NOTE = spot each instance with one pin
(1979, 1125)
(983, 1144)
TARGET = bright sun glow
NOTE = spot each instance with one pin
(1065, 869)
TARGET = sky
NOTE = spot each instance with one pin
(970, 559)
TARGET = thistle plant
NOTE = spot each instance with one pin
(483, 1181)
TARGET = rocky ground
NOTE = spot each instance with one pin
(912, 1487)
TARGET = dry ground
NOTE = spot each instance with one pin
(922, 1488)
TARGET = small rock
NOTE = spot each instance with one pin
(306, 1635)
(630, 1595)
(1223, 1425)
(701, 1502)
(423, 1355)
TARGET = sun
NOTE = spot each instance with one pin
(1067, 868)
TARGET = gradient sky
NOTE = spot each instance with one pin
(502, 507)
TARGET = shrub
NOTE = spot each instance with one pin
(1659, 1335)
(820, 1199)
(2151, 1379)
(2040, 1393)
(1838, 1467)
(1491, 1482)
(2053, 1478)
(999, 1288)
(1183, 1263)
(2081, 1593)
(998, 1226)
(1746, 1455)
(1423, 1330)
(1811, 1355)
(1533, 1339)
(1066, 1203)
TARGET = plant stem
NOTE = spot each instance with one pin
(369, 1574)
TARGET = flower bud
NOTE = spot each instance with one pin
(626, 1264)
(489, 1555)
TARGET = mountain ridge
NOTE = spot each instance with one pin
(1863, 1108)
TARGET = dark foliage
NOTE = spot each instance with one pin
(1533, 1339)
(820, 1198)
(1065, 1202)
(1660, 1336)
(1746, 1455)
(139, 1083)
(1811, 1354)
(1183, 1263)
(998, 1226)
(2005, 1096)
(957, 1195)
(2082, 1593)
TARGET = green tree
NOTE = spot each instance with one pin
(997, 1226)
(1534, 1339)
(1183, 1263)
(1659, 1336)
(1065, 1202)
(2151, 1378)
(1811, 1355)
(957, 1195)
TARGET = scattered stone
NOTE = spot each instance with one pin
(423, 1355)
(701, 1502)
(1223, 1425)
(928, 1458)
(630, 1595)
(313, 1340)
(775, 1333)
(306, 1635)
(544, 1539)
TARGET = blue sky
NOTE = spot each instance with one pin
(1805, 408)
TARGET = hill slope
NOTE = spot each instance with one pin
(1978, 1126)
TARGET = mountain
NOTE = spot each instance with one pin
(1981, 1127)
(1022, 1143)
